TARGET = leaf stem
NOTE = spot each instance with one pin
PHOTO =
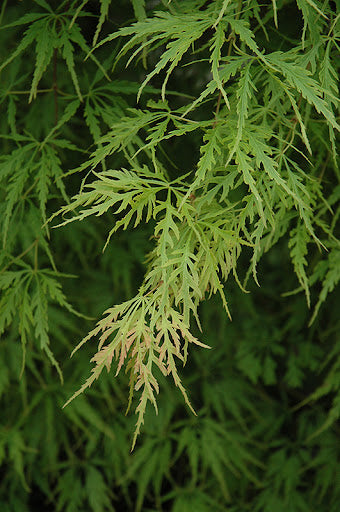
(19, 257)
(231, 40)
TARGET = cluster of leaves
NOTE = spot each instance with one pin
(195, 143)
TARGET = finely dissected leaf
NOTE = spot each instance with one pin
(210, 151)
(123, 190)
(76, 36)
(241, 27)
(149, 467)
(67, 51)
(305, 4)
(16, 182)
(40, 316)
(28, 39)
(328, 79)
(331, 278)
(139, 8)
(226, 71)
(328, 76)
(128, 336)
(243, 161)
(45, 5)
(23, 20)
(81, 410)
(97, 491)
(179, 32)
(32, 161)
(104, 9)
(49, 40)
(14, 283)
(68, 113)
(262, 153)
(299, 118)
(298, 245)
(215, 58)
(71, 491)
(244, 93)
(217, 449)
(26, 297)
(167, 231)
(300, 79)
(16, 449)
(92, 122)
(174, 53)
(45, 44)
(222, 12)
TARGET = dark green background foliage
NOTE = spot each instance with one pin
(196, 141)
